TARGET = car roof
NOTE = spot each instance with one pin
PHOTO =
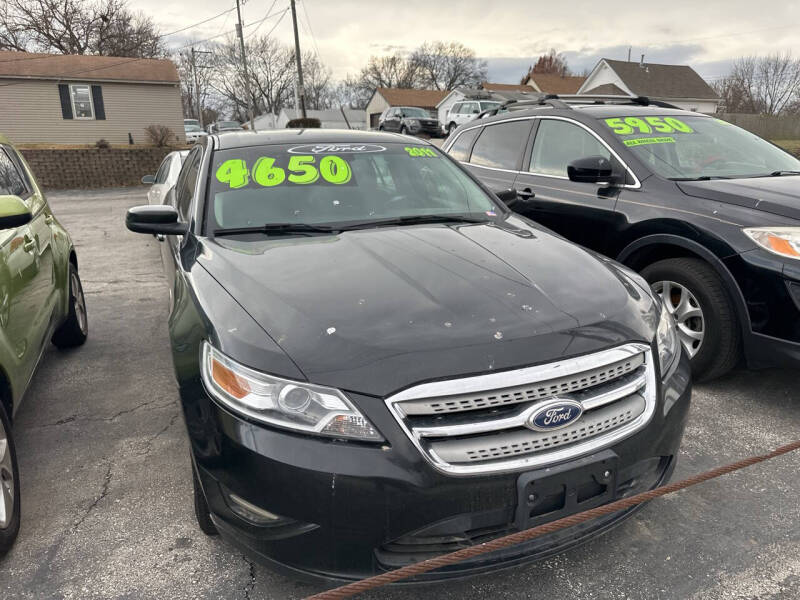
(245, 138)
(596, 111)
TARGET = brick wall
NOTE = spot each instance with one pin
(93, 167)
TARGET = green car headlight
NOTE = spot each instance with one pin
(281, 402)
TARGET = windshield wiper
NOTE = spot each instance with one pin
(278, 228)
(416, 220)
(779, 173)
(701, 178)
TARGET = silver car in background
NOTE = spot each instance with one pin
(165, 177)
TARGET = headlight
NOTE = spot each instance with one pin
(282, 402)
(669, 346)
(413, 122)
(783, 241)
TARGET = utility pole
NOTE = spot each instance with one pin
(250, 108)
(198, 103)
(300, 90)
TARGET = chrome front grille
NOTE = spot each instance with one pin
(478, 424)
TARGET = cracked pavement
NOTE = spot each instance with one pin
(107, 493)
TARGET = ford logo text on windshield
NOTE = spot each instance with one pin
(337, 148)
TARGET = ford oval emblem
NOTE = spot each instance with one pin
(556, 414)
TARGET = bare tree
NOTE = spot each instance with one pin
(768, 85)
(183, 61)
(448, 65)
(392, 71)
(317, 82)
(552, 63)
(104, 27)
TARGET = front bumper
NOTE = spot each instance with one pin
(354, 510)
(432, 130)
(770, 287)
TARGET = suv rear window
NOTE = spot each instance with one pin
(500, 146)
(460, 148)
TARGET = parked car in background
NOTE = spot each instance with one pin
(193, 133)
(464, 112)
(166, 176)
(220, 126)
(409, 120)
(379, 363)
(191, 122)
(41, 300)
(707, 212)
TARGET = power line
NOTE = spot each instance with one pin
(197, 24)
(130, 59)
(269, 10)
(311, 31)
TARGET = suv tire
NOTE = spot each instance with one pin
(201, 512)
(75, 328)
(9, 480)
(451, 128)
(719, 350)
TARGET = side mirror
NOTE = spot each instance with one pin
(156, 219)
(149, 179)
(476, 112)
(13, 212)
(508, 196)
(591, 169)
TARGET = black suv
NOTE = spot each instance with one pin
(409, 119)
(707, 212)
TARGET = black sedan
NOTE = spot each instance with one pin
(378, 362)
(708, 213)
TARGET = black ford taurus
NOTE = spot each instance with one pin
(379, 363)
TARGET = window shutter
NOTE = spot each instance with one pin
(66, 104)
(97, 100)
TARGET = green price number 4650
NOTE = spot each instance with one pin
(302, 171)
(629, 125)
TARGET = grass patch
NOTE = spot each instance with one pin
(792, 146)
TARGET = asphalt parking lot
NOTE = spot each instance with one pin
(107, 491)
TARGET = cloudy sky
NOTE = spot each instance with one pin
(509, 34)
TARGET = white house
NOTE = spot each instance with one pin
(677, 84)
(333, 118)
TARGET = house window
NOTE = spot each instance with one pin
(82, 107)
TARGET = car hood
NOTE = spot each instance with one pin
(776, 195)
(375, 311)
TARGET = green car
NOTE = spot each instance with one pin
(41, 299)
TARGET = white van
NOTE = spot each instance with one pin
(464, 111)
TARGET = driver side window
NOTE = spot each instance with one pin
(558, 143)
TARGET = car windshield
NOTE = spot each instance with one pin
(415, 112)
(189, 128)
(229, 125)
(340, 184)
(695, 147)
(489, 105)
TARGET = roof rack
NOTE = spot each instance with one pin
(562, 102)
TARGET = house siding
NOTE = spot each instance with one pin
(31, 112)
(375, 107)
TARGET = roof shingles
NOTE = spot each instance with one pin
(410, 97)
(83, 67)
(662, 81)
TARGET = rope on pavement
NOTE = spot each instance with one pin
(357, 587)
